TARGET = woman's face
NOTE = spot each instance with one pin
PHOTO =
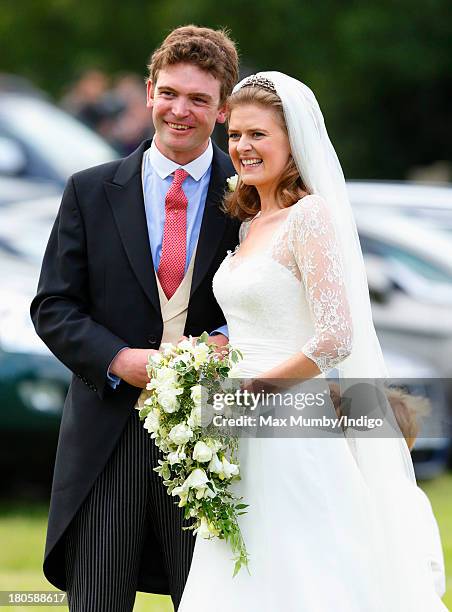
(258, 145)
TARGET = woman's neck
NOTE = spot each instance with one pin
(268, 202)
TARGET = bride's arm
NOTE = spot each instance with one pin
(315, 250)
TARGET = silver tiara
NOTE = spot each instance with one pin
(259, 81)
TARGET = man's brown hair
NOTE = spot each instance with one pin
(210, 50)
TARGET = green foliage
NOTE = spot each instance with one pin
(379, 69)
(22, 533)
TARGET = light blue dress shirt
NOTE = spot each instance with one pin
(157, 177)
(157, 171)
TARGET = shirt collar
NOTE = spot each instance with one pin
(164, 166)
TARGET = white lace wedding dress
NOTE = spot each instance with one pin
(307, 525)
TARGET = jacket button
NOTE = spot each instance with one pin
(152, 339)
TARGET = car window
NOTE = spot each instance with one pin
(415, 263)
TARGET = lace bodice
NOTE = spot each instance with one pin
(289, 296)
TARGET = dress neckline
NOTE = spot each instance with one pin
(262, 252)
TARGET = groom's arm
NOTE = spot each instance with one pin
(61, 309)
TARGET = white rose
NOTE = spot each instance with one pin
(167, 398)
(232, 182)
(202, 452)
(152, 421)
(196, 394)
(194, 420)
(180, 434)
(166, 376)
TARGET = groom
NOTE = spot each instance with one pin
(129, 264)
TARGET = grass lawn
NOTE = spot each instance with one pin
(22, 532)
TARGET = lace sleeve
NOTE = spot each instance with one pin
(314, 246)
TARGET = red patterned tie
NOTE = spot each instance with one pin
(172, 261)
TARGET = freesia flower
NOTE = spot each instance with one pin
(152, 421)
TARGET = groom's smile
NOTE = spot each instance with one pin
(185, 102)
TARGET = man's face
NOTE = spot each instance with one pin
(185, 104)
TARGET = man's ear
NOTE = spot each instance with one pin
(149, 94)
(221, 116)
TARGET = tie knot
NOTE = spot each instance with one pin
(179, 176)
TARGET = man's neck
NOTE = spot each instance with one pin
(182, 158)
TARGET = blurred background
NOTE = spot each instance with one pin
(72, 95)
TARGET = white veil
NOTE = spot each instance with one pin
(401, 564)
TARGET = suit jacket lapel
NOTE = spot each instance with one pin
(214, 220)
(125, 194)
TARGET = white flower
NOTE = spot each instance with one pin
(203, 529)
(200, 352)
(196, 394)
(165, 376)
(194, 420)
(182, 492)
(154, 358)
(229, 469)
(167, 398)
(180, 434)
(202, 452)
(186, 345)
(167, 349)
(232, 182)
(234, 372)
(152, 421)
(215, 445)
(223, 468)
(176, 456)
(206, 530)
(184, 358)
(197, 480)
(215, 464)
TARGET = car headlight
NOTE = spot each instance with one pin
(42, 395)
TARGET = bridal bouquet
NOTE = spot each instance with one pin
(199, 464)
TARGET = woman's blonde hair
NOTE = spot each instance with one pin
(244, 201)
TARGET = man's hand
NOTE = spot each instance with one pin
(219, 341)
(130, 365)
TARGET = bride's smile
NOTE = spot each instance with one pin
(259, 147)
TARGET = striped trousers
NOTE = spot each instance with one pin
(106, 539)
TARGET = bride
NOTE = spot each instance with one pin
(329, 525)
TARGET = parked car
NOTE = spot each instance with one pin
(33, 384)
(430, 205)
(13, 189)
(40, 141)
